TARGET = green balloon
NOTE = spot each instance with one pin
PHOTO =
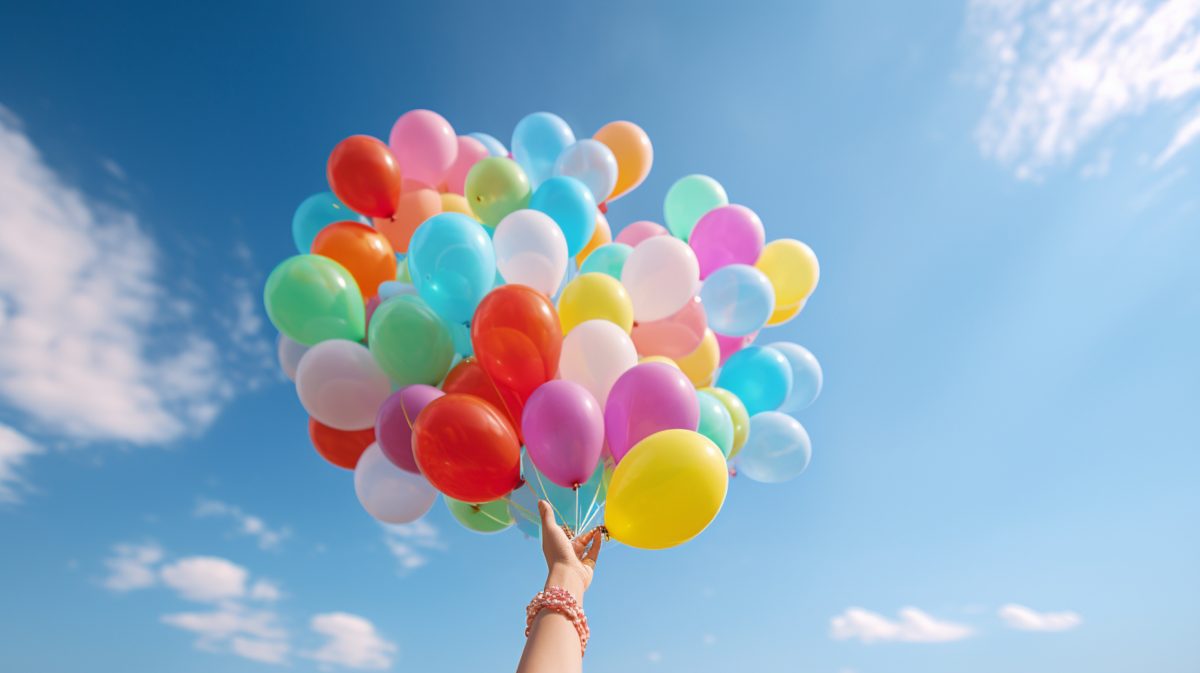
(410, 342)
(688, 200)
(488, 517)
(402, 273)
(310, 298)
(715, 421)
(495, 187)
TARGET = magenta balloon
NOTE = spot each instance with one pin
(639, 231)
(727, 235)
(649, 398)
(393, 425)
(732, 344)
(674, 336)
(564, 432)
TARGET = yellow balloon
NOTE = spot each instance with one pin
(737, 411)
(601, 236)
(701, 364)
(666, 490)
(631, 146)
(593, 296)
(659, 358)
(457, 203)
(792, 268)
(782, 315)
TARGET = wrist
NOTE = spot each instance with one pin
(568, 578)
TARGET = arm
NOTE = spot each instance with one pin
(553, 645)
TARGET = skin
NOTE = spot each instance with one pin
(553, 645)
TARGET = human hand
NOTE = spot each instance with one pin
(570, 564)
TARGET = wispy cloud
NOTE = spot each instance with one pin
(206, 579)
(247, 524)
(133, 566)
(15, 449)
(252, 634)
(1026, 619)
(351, 641)
(411, 543)
(1183, 137)
(913, 626)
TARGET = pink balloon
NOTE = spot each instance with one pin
(470, 151)
(676, 335)
(727, 235)
(393, 425)
(424, 145)
(639, 231)
(564, 432)
(732, 344)
(649, 398)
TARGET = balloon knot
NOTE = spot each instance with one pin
(603, 207)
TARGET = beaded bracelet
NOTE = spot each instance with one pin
(561, 601)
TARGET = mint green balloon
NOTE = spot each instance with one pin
(410, 342)
(607, 259)
(487, 517)
(715, 421)
(310, 298)
(495, 187)
(688, 200)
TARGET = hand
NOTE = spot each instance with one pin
(570, 563)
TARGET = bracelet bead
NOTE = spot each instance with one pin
(558, 599)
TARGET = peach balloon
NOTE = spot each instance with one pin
(601, 236)
(635, 155)
(639, 231)
(413, 209)
(675, 336)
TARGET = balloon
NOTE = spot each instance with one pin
(633, 152)
(661, 275)
(522, 505)
(362, 250)
(666, 490)
(688, 200)
(468, 378)
(363, 173)
(289, 352)
(397, 288)
(727, 235)
(569, 203)
(607, 259)
(452, 264)
(792, 268)
(530, 250)
(340, 385)
(310, 298)
(564, 432)
(601, 235)
(562, 499)
(639, 231)
(782, 315)
(487, 517)
(729, 345)
(494, 147)
(701, 364)
(661, 359)
(340, 447)
(537, 141)
(388, 493)
(778, 449)
(592, 163)
(496, 187)
(394, 423)
(675, 336)
(647, 399)
(595, 354)
(425, 146)
(738, 299)
(517, 338)
(456, 203)
(409, 341)
(467, 449)
(314, 213)
(460, 336)
(594, 296)
(470, 152)
(737, 415)
(806, 376)
(413, 208)
(402, 273)
(715, 421)
(760, 376)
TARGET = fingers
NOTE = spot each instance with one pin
(580, 543)
(547, 513)
(593, 553)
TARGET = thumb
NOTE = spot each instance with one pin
(547, 515)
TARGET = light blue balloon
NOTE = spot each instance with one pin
(569, 203)
(494, 147)
(537, 141)
(738, 300)
(759, 375)
(460, 334)
(778, 448)
(608, 258)
(806, 376)
(592, 163)
(314, 214)
(522, 504)
(396, 288)
(563, 499)
(452, 264)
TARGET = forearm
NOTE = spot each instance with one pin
(553, 644)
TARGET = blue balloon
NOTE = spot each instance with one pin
(570, 204)
(537, 141)
(759, 375)
(494, 147)
(563, 499)
(522, 504)
(314, 214)
(592, 163)
(396, 288)
(452, 264)
(460, 334)
(608, 258)
(806, 376)
(738, 300)
(778, 448)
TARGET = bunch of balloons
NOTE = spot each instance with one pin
(460, 319)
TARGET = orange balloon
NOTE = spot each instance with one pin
(363, 173)
(364, 252)
(631, 146)
(411, 211)
(601, 236)
(340, 447)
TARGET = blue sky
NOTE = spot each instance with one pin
(1003, 198)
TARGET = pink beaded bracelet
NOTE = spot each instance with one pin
(561, 601)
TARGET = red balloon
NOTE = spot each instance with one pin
(517, 338)
(468, 378)
(340, 447)
(467, 449)
(363, 173)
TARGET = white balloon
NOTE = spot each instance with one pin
(531, 250)
(290, 353)
(661, 275)
(592, 163)
(340, 384)
(388, 493)
(595, 354)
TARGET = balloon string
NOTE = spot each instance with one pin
(596, 505)
(545, 496)
(577, 508)
(521, 510)
(494, 519)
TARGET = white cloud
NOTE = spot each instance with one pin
(1060, 71)
(113, 168)
(247, 524)
(253, 634)
(265, 590)
(913, 626)
(206, 578)
(411, 542)
(352, 642)
(1025, 619)
(15, 449)
(133, 566)
(266, 651)
(1188, 132)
